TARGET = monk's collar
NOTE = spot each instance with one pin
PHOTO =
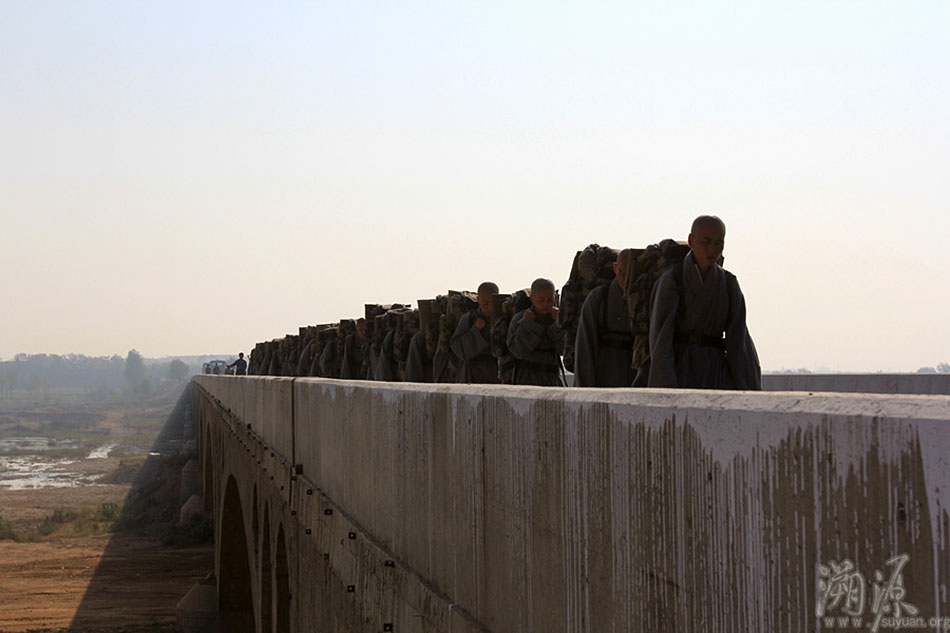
(690, 264)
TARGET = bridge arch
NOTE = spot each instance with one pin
(267, 587)
(207, 458)
(282, 580)
(256, 531)
(235, 593)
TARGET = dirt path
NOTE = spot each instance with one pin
(102, 583)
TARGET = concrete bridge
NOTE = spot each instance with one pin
(366, 506)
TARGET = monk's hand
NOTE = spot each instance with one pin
(480, 323)
(529, 314)
(554, 312)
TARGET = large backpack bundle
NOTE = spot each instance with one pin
(592, 267)
(503, 309)
(458, 303)
(378, 325)
(256, 361)
(325, 334)
(651, 263)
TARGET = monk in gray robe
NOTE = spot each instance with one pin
(603, 347)
(698, 334)
(534, 339)
(442, 367)
(306, 355)
(384, 369)
(471, 341)
(330, 359)
(352, 365)
(418, 363)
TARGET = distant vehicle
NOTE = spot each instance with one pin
(215, 367)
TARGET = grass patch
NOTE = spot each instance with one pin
(7, 533)
(88, 521)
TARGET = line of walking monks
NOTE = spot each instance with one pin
(667, 315)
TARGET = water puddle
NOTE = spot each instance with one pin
(102, 452)
(29, 468)
(35, 444)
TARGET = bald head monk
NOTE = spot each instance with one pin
(698, 333)
(471, 340)
(534, 339)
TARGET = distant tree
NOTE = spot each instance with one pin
(134, 372)
(10, 379)
(177, 370)
(33, 382)
(943, 368)
(926, 370)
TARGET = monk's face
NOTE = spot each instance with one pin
(707, 243)
(485, 302)
(618, 273)
(543, 301)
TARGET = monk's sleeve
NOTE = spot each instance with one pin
(585, 344)
(467, 341)
(348, 351)
(741, 356)
(326, 358)
(523, 336)
(303, 363)
(556, 335)
(384, 364)
(662, 330)
(414, 366)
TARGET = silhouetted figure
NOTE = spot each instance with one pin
(240, 365)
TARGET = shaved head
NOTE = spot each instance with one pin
(487, 287)
(707, 220)
(541, 284)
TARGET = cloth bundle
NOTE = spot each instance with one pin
(650, 264)
(592, 267)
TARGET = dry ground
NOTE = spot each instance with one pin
(108, 582)
(75, 576)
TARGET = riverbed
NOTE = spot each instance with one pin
(27, 463)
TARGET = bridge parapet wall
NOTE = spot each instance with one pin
(529, 509)
(906, 384)
(265, 403)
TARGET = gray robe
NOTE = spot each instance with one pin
(442, 370)
(473, 348)
(687, 324)
(603, 348)
(418, 363)
(329, 363)
(352, 366)
(384, 362)
(303, 363)
(535, 348)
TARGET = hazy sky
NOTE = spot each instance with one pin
(194, 177)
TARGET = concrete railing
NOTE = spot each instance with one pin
(907, 384)
(537, 509)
